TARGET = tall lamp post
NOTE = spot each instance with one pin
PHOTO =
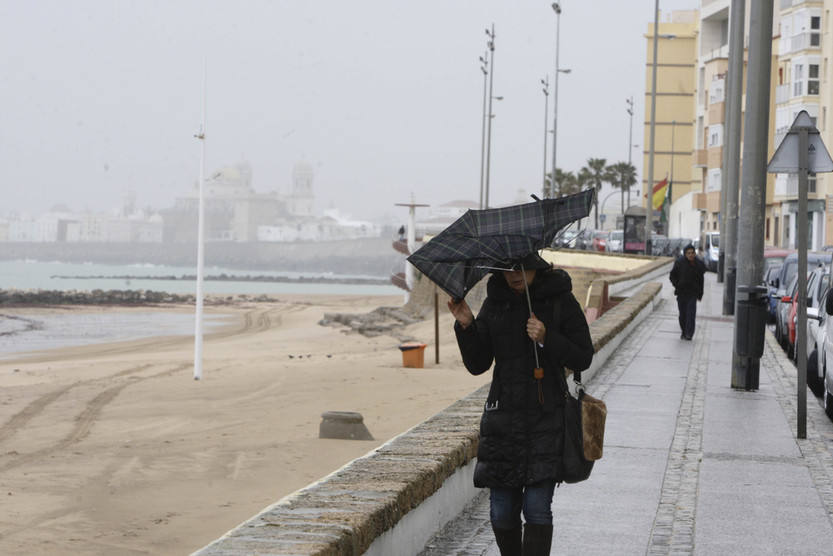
(649, 197)
(491, 45)
(556, 6)
(546, 90)
(484, 67)
(629, 110)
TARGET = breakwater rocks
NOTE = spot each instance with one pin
(382, 320)
(9, 298)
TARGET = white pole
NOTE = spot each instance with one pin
(200, 238)
(409, 268)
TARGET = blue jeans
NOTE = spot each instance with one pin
(535, 501)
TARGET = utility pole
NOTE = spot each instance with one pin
(649, 197)
(746, 354)
(731, 158)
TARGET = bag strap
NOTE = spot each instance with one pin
(556, 316)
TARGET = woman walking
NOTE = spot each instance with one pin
(521, 431)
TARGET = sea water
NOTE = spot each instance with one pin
(36, 275)
(41, 331)
(21, 332)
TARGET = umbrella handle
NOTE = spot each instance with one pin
(529, 304)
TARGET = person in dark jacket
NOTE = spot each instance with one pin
(521, 430)
(687, 278)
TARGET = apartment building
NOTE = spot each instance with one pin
(675, 109)
(798, 69)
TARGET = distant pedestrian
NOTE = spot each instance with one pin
(401, 233)
(521, 431)
(687, 278)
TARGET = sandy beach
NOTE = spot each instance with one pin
(115, 449)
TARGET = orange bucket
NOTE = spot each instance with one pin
(413, 354)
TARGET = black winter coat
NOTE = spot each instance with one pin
(521, 439)
(687, 277)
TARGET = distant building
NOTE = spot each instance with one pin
(233, 211)
(442, 215)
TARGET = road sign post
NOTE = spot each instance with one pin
(801, 152)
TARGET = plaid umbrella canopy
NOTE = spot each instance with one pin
(480, 240)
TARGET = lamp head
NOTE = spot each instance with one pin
(556, 7)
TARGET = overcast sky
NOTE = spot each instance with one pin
(382, 97)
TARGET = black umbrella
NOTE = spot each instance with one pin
(484, 240)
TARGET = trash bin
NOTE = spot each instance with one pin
(752, 307)
(413, 354)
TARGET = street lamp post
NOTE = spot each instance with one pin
(491, 45)
(546, 91)
(629, 110)
(484, 67)
(557, 9)
(649, 213)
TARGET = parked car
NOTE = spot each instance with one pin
(775, 256)
(711, 252)
(565, 240)
(615, 241)
(817, 284)
(827, 379)
(816, 379)
(788, 271)
(769, 277)
(782, 312)
(599, 241)
(584, 239)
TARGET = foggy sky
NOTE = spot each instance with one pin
(382, 97)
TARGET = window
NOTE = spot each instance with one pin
(767, 228)
(811, 182)
(797, 83)
(775, 238)
(813, 81)
(815, 39)
(815, 22)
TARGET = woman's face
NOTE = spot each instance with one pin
(515, 279)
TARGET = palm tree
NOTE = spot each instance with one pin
(598, 175)
(623, 176)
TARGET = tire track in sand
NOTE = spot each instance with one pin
(86, 419)
(36, 407)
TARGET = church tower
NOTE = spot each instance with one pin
(302, 198)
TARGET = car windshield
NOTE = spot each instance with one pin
(773, 262)
(790, 273)
(715, 241)
(616, 235)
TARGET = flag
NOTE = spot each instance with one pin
(658, 194)
(666, 203)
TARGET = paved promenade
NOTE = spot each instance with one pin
(690, 466)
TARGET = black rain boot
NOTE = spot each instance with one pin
(537, 539)
(508, 541)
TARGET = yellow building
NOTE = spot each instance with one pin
(675, 108)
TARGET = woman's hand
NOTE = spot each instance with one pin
(461, 312)
(536, 329)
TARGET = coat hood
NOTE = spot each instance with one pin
(547, 283)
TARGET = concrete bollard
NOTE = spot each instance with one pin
(343, 425)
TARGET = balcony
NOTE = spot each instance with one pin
(717, 113)
(715, 157)
(716, 53)
(803, 41)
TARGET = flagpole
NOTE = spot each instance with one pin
(200, 236)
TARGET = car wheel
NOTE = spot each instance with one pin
(813, 370)
(828, 399)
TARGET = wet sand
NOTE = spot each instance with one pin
(115, 449)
